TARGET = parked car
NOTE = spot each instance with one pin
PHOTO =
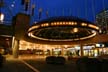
(60, 60)
(50, 59)
(85, 64)
(55, 60)
(104, 56)
(104, 65)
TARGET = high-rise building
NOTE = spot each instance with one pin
(102, 21)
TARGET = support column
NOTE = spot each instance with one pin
(62, 51)
(81, 49)
(15, 48)
(51, 52)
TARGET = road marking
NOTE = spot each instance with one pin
(31, 67)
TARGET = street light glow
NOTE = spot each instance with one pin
(1, 17)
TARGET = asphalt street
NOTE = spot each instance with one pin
(36, 65)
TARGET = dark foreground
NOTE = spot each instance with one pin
(39, 64)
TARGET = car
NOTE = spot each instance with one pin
(55, 60)
(60, 60)
(50, 59)
(85, 64)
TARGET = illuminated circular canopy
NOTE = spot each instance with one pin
(64, 28)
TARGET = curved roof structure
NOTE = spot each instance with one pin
(63, 18)
(63, 28)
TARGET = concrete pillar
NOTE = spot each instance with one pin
(62, 51)
(15, 48)
(51, 52)
(81, 49)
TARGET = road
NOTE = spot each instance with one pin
(36, 65)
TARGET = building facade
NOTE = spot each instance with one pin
(102, 20)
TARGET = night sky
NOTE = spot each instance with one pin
(86, 9)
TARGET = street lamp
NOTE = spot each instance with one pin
(1, 17)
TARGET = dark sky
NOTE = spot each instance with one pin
(86, 9)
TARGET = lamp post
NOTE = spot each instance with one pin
(1, 14)
(1, 17)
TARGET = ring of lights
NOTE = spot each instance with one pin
(63, 29)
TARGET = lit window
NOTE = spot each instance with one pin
(60, 23)
(72, 23)
(63, 23)
(46, 24)
(69, 23)
(54, 23)
(84, 24)
(75, 30)
(57, 23)
(75, 23)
